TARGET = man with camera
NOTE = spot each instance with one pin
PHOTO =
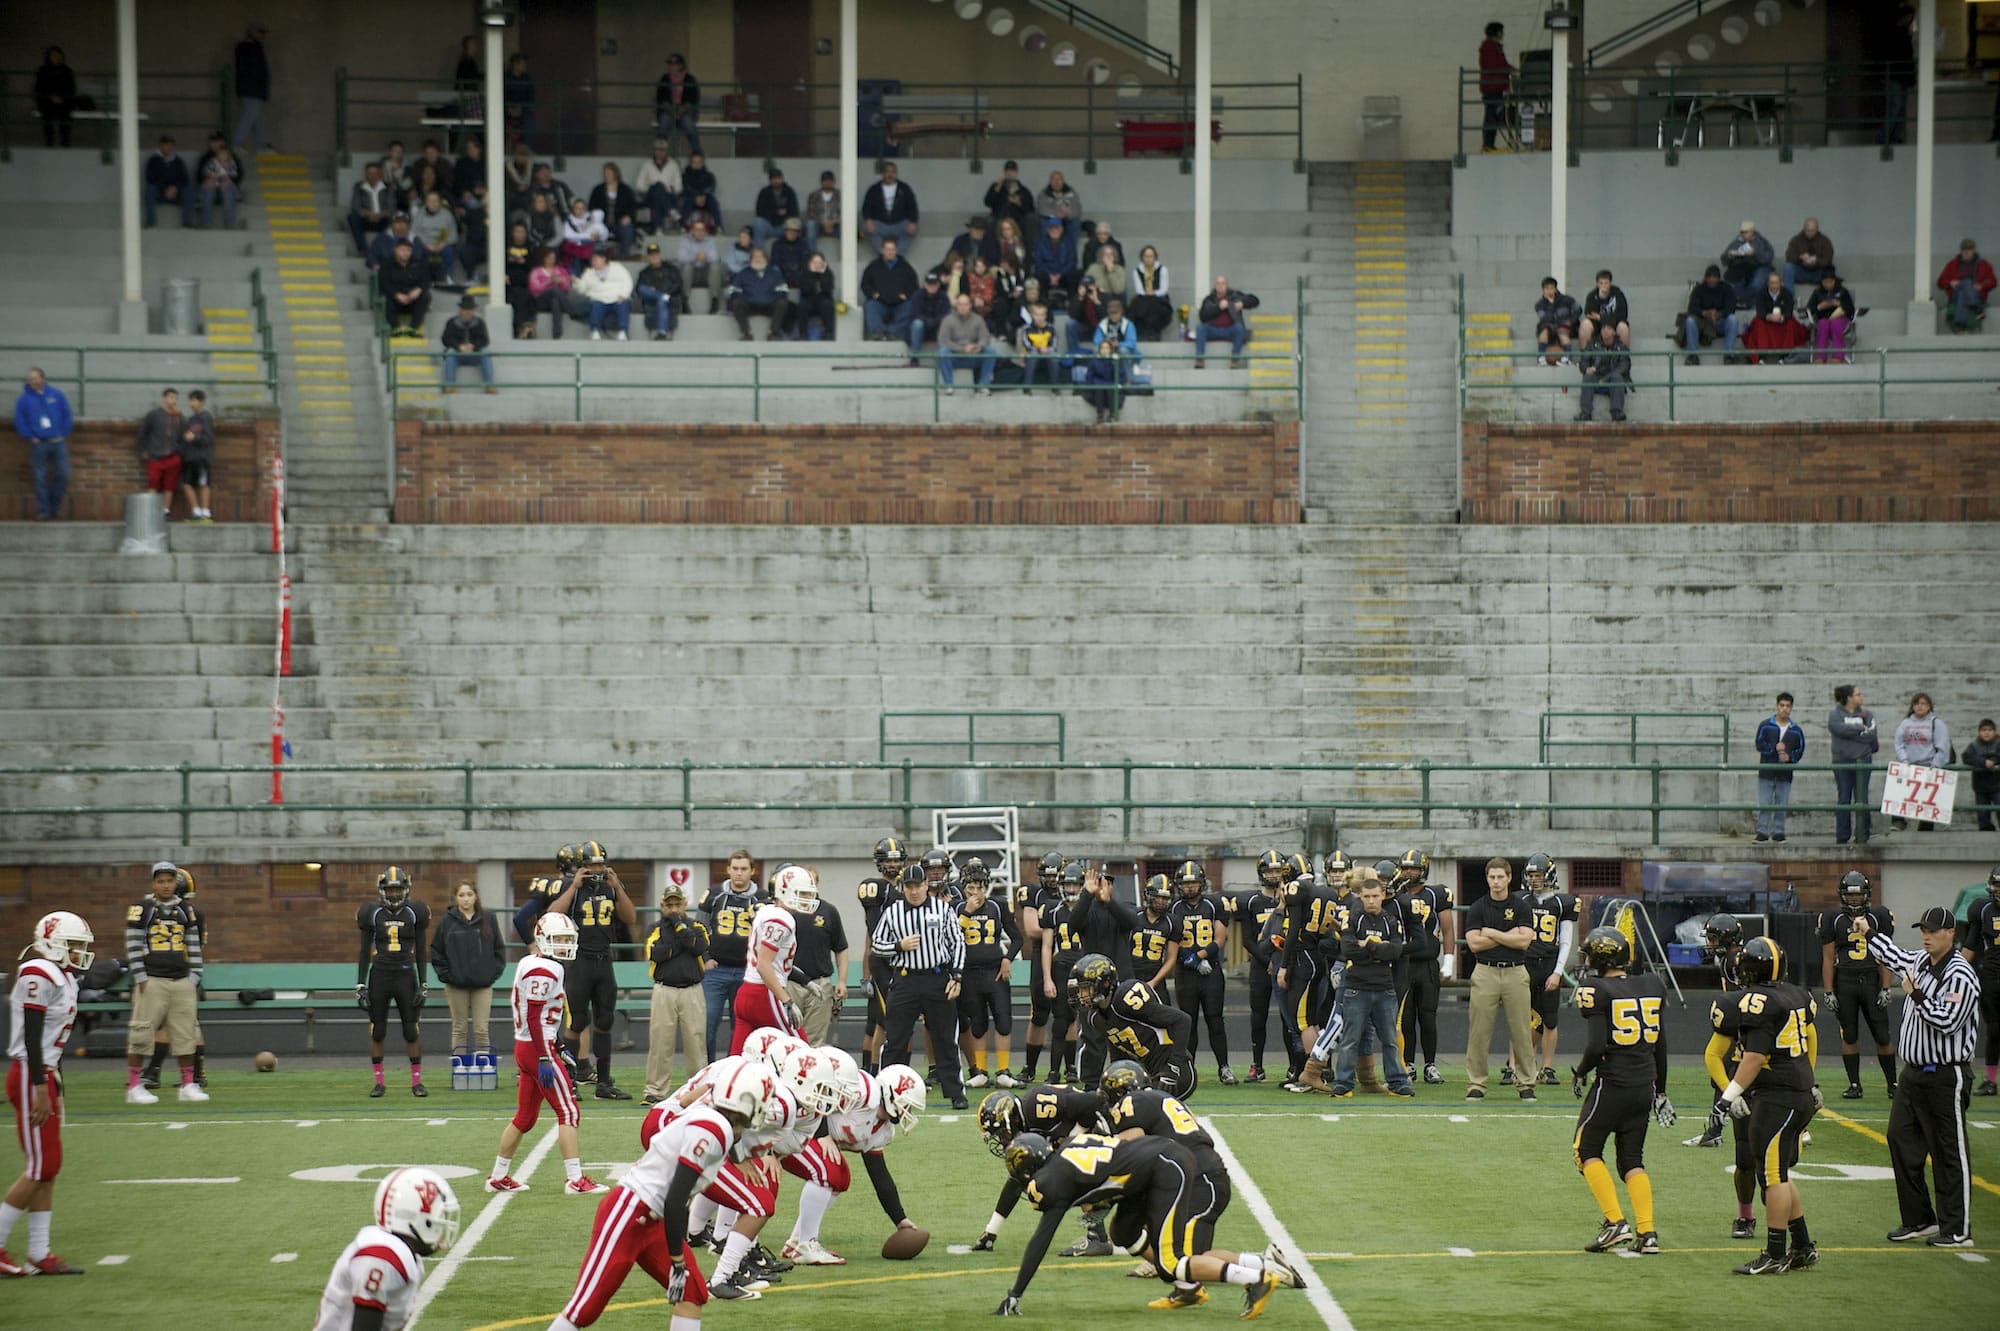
(597, 901)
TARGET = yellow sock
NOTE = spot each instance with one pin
(1640, 1187)
(1598, 1175)
(979, 1059)
(1003, 1058)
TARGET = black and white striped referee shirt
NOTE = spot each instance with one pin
(1941, 1018)
(940, 942)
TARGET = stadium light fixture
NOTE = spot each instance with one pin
(496, 13)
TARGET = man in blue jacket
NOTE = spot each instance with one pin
(41, 416)
(1780, 745)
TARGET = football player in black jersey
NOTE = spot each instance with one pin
(1128, 1019)
(164, 938)
(1423, 907)
(1857, 986)
(1777, 1026)
(1250, 914)
(1054, 1112)
(541, 891)
(392, 970)
(1062, 948)
(875, 893)
(1203, 928)
(1982, 949)
(1309, 918)
(1722, 940)
(1553, 915)
(985, 996)
(1135, 1110)
(1155, 943)
(1156, 1187)
(599, 904)
(1033, 903)
(1627, 1048)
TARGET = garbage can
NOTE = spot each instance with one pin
(1381, 129)
(145, 525)
(182, 303)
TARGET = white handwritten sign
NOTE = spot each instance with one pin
(1923, 793)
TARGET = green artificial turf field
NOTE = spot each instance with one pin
(1427, 1213)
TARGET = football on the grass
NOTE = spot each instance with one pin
(905, 1244)
(267, 1061)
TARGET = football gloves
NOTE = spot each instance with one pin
(1739, 1108)
(1579, 1081)
(361, 996)
(985, 1243)
(545, 1072)
(794, 1018)
(1818, 1099)
(1009, 1306)
(1663, 1111)
(677, 1282)
(1882, 998)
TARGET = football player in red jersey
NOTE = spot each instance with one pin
(42, 1008)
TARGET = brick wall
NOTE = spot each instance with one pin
(846, 474)
(1899, 471)
(104, 467)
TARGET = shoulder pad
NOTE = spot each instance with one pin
(1135, 994)
(1586, 996)
(135, 915)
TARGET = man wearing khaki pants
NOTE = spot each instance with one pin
(675, 950)
(1498, 928)
(163, 937)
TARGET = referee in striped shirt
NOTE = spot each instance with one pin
(1940, 1023)
(918, 938)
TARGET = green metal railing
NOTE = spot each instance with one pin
(462, 799)
(1086, 21)
(1645, 28)
(1704, 106)
(1632, 740)
(972, 743)
(155, 368)
(187, 106)
(1075, 119)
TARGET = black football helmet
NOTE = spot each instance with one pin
(1049, 868)
(1540, 872)
(890, 857)
(1001, 1119)
(1855, 889)
(974, 870)
(591, 853)
(1762, 962)
(1414, 867)
(1096, 977)
(1159, 895)
(1299, 865)
(1026, 1155)
(1993, 881)
(1120, 1080)
(183, 884)
(566, 860)
(1190, 880)
(1338, 863)
(1271, 869)
(1606, 950)
(937, 864)
(393, 886)
(1070, 881)
(1386, 870)
(1723, 934)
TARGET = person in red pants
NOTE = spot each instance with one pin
(1776, 327)
(762, 1000)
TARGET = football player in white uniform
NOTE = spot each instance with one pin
(543, 1064)
(375, 1279)
(644, 1220)
(42, 1008)
(888, 1107)
(762, 1000)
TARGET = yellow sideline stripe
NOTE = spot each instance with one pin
(1880, 1140)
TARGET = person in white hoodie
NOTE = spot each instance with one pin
(608, 288)
(1921, 738)
(659, 187)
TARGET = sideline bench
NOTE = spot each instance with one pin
(958, 115)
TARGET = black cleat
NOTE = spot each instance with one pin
(606, 1091)
(768, 1263)
(1853, 1091)
(586, 1074)
(1507, 1075)
(733, 1288)
(151, 1081)
(1802, 1259)
(377, 1091)
(1942, 1241)
(1475, 1094)
(1764, 1264)
(1904, 1233)
(1090, 1245)
(419, 1090)
(1742, 1229)
(1615, 1234)
(1986, 1088)
(1256, 1075)
(1225, 1075)
(1648, 1244)
(1432, 1077)
(1548, 1077)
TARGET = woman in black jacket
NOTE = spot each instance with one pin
(620, 206)
(467, 955)
(815, 303)
(55, 96)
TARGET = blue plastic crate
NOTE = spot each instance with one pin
(1685, 954)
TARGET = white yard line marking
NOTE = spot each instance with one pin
(1457, 1118)
(1975, 1123)
(436, 1122)
(1461, 1252)
(1974, 1257)
(119, 1259)
(489, 1259)
(1329, 1118)
(281, 1257)
(171, 1127)
(1324, 1256)
(946, 1118)
(1317, 1294)
(306, 1123)
(461, 1251)
(958, 1249)
(231, 1179)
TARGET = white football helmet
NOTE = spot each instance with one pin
(772, 1045)
(902, 1095)
(555, 936)
(811, 1075)
(63, 937)
(795, 890)
(781, 1109)
(850, 1083)
(743, 1091)
(419, 1205)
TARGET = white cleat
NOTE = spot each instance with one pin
(193, 1094)
(583, 1186)
(811, 1252)
(1278, 1268)
(139, 1095)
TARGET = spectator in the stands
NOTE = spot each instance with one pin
(1556, 318)
(813, 313)
(520, 262)
(1775, 327)
(1852, 747)
(1711, 314)
(406, 290)
(518, 175)
(1008, 199)
(425, 178)
(1746, 261)
(981, 286)
(790, 251)
(775, 202)
(1496, 77)
(1107, 272)
(1115, 327)
(1094, 243)
(544, 226)
(1008, 239)
(737, 257)
(433, 157)
(1967, 283)
(1085, 308)
(701, 264)
(822, 210)
(928, 309)
(952, 271)
(889, 211)
(963, 337)
(167, 182)
(1780, 745)
(1833, 319)
(558, 192)
(1058, 201)
(42, 418)
(468, 193)
(1055, 262)
(253, 89)
(383, 248)
(549, 285)
(1808, 254)
(1982, 756)
(218, 184)
(658, 290)
(614, 201)
(1607, 371)
(55, 97)
(436, 229)
(758, 288)
(160, 448)
(888, 294)
(1103, 374)
(1922, 739)
(677, 103)
(465, 339)
(395, 168)
(467, 78)
(701, 203)
(1148, 298)
(1606, 304)
(976, 241)
(1898, 65)
(1225, 314)
(660, 186)
(1009, 289)
(1040, 356)
(608, 288)
(696, 178)
(197, 449)
(517, 98)
(583, 235)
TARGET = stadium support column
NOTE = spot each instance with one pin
(850, 150)
(1923, 315)
(1204, 103)
(1559, 155)
(132, 305)
(499, 319)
